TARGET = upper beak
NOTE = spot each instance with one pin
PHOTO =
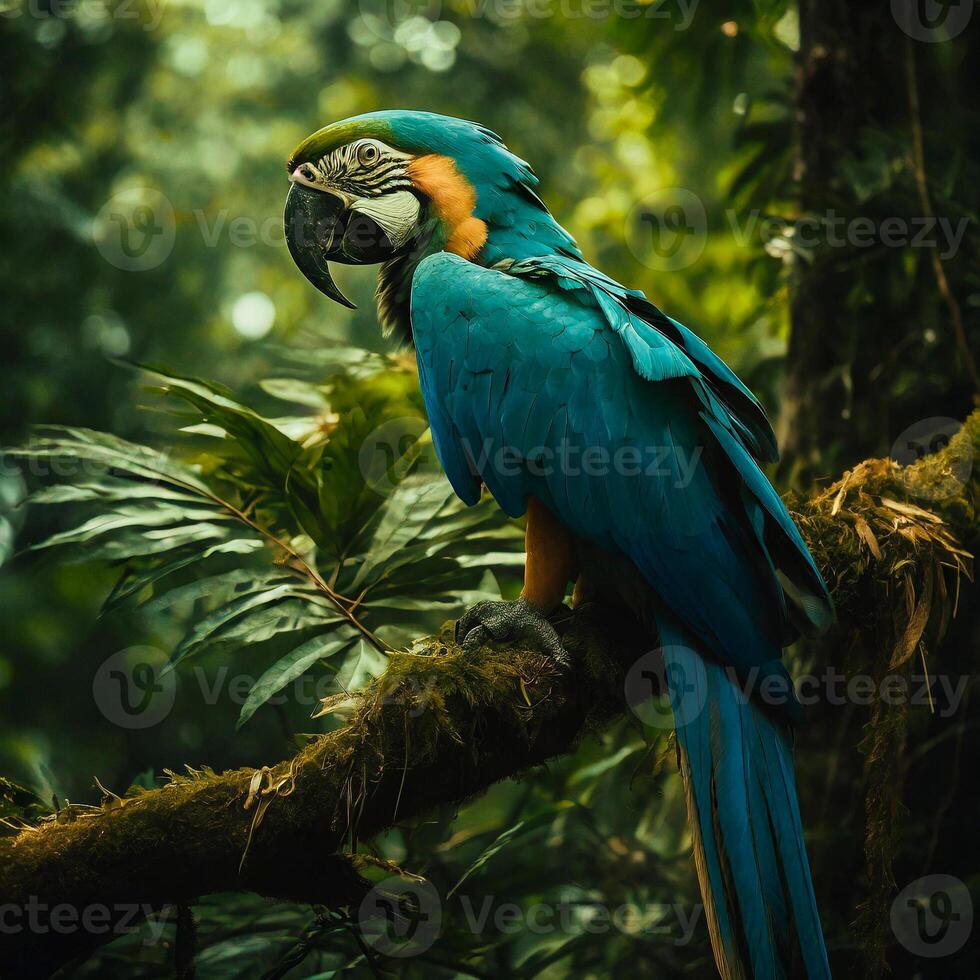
(313, 225)
(321, 223)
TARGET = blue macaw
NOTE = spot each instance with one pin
(576, 401)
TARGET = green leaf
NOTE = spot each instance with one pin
(553, 952)
(325, 357)
(520, 829)
(224, 586)
(135, 579)
(299, 613)
(129, 517)
(218, 623)
(588, 774)
(362, 665)
(110, 453)
(404, 516)
(298, 391)
(108, 490)
(156, 542)
(294, 664)
(271, 453)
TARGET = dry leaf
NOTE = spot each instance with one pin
(911, 510)
(865, 533)
(909, 640)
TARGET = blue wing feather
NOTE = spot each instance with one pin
(476, 327)
(661, 346)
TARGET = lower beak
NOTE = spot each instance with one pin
(320, 227)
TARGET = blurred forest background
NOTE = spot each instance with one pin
(749, 117)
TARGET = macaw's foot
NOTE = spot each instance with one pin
(489, 621)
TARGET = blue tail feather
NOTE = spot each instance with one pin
(748, 836)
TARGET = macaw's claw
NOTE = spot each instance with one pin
(490, 621)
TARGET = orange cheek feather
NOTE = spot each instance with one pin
(454, 199)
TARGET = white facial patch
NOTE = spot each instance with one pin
(396, 212)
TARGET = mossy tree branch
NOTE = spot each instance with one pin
(458, 721)
(441, 725)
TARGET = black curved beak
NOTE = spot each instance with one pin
(320, 227)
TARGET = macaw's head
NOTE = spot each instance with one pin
(393, 187)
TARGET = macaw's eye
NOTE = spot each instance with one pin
(367, 154)
(306, 172)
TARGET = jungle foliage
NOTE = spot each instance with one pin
(240, 531)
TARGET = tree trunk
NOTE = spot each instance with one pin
(876, 342)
